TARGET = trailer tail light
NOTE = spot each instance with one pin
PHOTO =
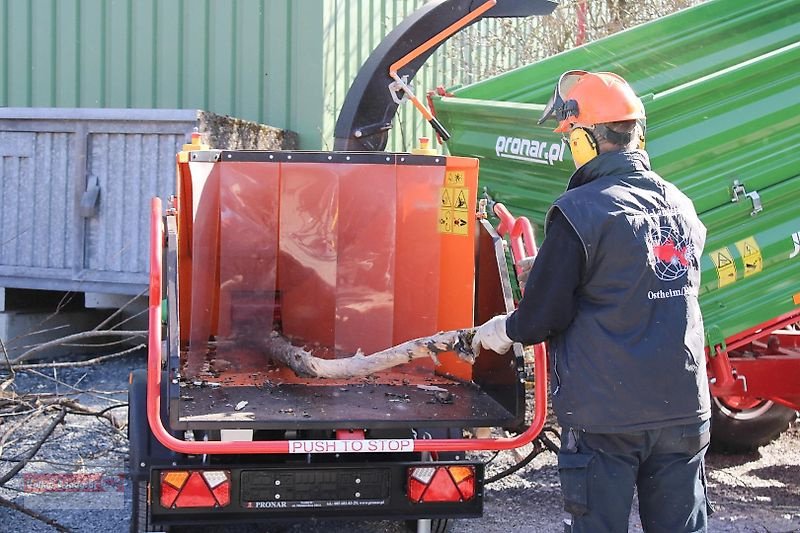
(195, 488)
(441, 484)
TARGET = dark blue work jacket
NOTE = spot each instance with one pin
(614, 289)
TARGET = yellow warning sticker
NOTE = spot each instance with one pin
(447, 197)
(726, 268)
(454, 178)
(751, 255)
(445, 221)
(460, 199)
(460, 224)
(454, 208)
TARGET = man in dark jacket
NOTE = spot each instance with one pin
(614, 290)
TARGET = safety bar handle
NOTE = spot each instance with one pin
(282, 446)
(520, 235)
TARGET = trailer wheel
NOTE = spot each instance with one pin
(140, 510)
(738, 427)
(143, 448)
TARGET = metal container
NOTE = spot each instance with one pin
(75, 185)
(723, 107)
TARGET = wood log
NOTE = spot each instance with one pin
(304, 364)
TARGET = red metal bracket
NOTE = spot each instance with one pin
(724, 382)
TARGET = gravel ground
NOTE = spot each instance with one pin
(758, 492)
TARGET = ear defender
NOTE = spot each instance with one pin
(583, 146)
(641, 128)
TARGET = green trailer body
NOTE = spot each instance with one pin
(721, 87)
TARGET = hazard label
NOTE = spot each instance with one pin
(726, 268)
(460, 199)
(454, 207)
(445, 220)
(447, 197)
(454, 178)
(460, 224)
(751, 255)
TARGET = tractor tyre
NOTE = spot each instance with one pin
(742, 430)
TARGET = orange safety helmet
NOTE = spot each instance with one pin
(589, 98)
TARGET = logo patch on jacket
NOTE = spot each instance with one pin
(668, 252)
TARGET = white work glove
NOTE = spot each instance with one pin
(492, 336)
(525, 264)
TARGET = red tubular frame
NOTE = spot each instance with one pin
(268, 447)
(766, 376)
(520, 232)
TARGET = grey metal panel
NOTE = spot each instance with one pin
(111, 114)
(130, 169)
(36, 187)
(48, 157)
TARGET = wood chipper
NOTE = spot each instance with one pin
(339, 254)
(722, 124)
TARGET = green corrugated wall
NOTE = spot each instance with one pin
(287, 63)
(354, 28)
(229, 57)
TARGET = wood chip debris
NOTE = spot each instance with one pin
(432, 388)
(241, 405)
(397, 397)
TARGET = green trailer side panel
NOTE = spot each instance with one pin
(721, 87)
(661, 54)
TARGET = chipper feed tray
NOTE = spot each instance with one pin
(339, 252)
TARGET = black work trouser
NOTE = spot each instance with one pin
(599, 472)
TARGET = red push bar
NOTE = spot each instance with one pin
(520, 236)
(268, 446)
(520, 232)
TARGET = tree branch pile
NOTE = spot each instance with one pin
(22, 410)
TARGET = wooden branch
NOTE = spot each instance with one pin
(29, 455)
(76, 364)
(5, 355)
(304, 364)
(108, 320)
(77, 336)
(76, 408)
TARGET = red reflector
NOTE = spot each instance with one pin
(442, 488)
(168, 495)
(467, 488)
(195, 493)
(222, 493)
(415, 489)
(209, 488)
(441, 484)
